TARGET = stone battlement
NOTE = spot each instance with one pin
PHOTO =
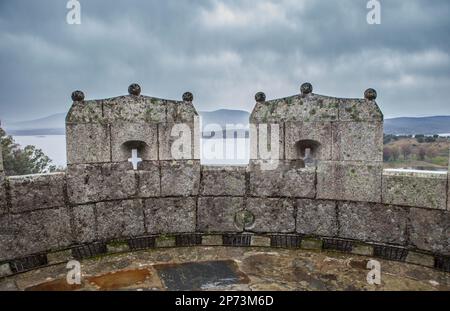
(328, 183)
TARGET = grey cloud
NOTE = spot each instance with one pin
(224, 51)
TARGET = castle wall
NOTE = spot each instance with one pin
(45, 214)
(346, 195)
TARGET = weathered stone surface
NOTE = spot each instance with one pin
(430, 230)
(267, 141)
(358, 141)
(182, 141)
(349, 181)
(170, 215)
(84, 223)
(139, 109)
(212, 240)
(218, 214)
(34, 192)
(180, 178)
(357, 110)
(312, 244)
(289, 179)
(7, 238)
(86, 112)
(319, 132)
(181, 112)
(308, 108)
(362, 249)
(223, 181)
(316, 217)
(148, 179)
(448, 186)
(142, 136)
(271, 215)
(420, 259)
(88, 143)
(120, 219)
(372, 222)
(260, 241)
(39, 231)
(415, 189)
(94, 183)
(3, 204)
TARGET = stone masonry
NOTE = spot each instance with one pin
(328, 180)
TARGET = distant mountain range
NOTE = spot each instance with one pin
(422, 125)
(54, 124)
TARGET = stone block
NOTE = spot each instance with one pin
(165, 241)
(84, 224)
(271, 215)
(289, 179)
(212, 240)
(148, 179)
(430, 230)
(179, 138)
(120, 219)
(126, 136)
(316, 217)
(223, 181)
(34, 192)
(301, 134)
(310, 108)
(362, 249)
(415, 189)
(267, 141)
(180, 178)
(5, 270)
(420, 259)
(95, 183)
(358, 141)
(139, 109)
(170, 215)
(3, 202)
(357, 110)
(89, 111)
(40, 231)
(311, 244)
(349, 181)
(59, 257)
(88, 143)
(261, 241)
(370, 222)
(218, 214)
(117, 247)
(180, 112)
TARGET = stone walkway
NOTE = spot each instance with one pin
(223, 268)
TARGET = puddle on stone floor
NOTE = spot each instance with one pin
(200, 275)
(120, 279)
(55, 285)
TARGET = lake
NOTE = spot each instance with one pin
(230, 152)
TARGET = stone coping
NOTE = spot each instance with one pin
(415, 173)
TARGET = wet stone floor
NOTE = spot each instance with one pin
(225, 268)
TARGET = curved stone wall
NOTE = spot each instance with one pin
(101, 204)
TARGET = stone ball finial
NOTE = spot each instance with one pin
(78, 96)
(188, 97)
(370, 94)
(306, 88)
(260, 97)
(134, 89)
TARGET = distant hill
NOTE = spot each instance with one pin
(422, 125)
(51, 125)
(55, 124)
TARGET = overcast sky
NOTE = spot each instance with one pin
(224, 52)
